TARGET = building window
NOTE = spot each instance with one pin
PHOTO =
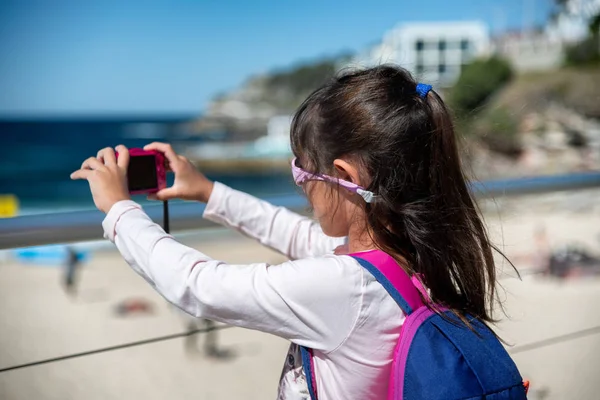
(442, 45)
(419, 45)
(420, 68)
(464, 45)
(442, 68)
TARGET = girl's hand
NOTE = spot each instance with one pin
(106, 176)
(190, 184)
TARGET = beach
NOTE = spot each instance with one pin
(39, 320)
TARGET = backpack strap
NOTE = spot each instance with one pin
(404, 290)
(308, 365)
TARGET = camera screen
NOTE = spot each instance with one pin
(141, 173)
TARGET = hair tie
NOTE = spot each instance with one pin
(423, 89)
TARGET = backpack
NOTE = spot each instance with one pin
(436, 358)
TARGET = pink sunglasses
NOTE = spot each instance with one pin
(301, 176)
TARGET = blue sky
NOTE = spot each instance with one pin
(85, 57)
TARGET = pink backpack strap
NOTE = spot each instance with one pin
(403, 289)
(393, 278)
(416, 281)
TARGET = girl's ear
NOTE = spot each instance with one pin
(346, 171)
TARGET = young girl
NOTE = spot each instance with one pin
(377, 158)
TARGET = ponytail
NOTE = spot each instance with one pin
(425, 216)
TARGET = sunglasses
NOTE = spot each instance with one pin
(301, 176)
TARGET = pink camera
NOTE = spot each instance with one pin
(146, 172)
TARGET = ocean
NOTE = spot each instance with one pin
(38, 155)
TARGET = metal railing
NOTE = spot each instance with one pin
(77, 226)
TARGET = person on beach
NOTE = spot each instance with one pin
(377, 158)
(71, 267)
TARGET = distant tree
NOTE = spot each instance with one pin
(478, 81)
(588, 50)
(589, 10)
(289, 87)
(304, 77)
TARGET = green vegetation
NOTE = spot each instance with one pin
(288, 88)
(497, 123)
(577, 89)
(586, 52)
(302, 78)
(478, 81)
(498, 128)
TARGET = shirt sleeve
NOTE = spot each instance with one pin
(289, 233)
(312, 302)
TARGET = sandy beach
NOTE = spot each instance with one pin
(39, 320)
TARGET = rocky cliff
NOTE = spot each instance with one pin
(538, 123)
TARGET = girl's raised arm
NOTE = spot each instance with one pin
(289, 233)
(312, 302)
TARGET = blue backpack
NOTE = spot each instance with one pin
(436, 358)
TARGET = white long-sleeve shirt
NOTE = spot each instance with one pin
(319, 300)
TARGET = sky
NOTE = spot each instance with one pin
(88, 57)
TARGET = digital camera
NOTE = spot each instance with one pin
(146, 172)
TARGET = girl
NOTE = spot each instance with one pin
(377, 158)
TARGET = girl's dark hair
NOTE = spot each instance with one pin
(406, 148)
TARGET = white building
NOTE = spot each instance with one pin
(544, 49)
(530, 51)
(571, 24)
(435, 52)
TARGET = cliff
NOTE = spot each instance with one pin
(537, 123)
(244, 112)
